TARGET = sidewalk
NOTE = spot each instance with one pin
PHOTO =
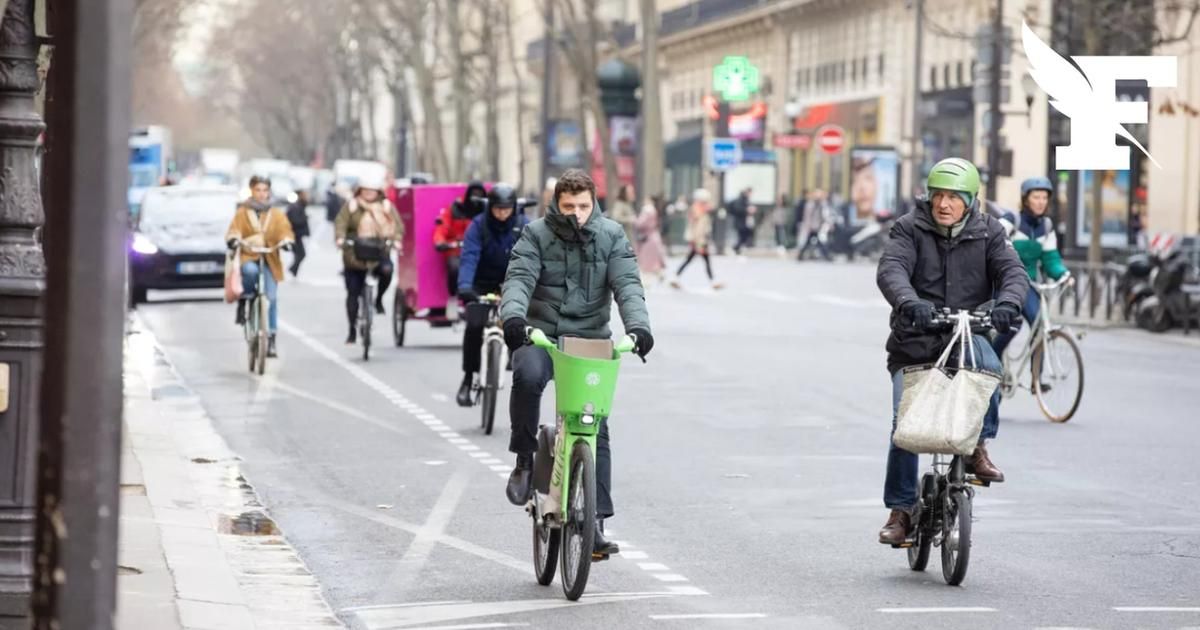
(197, 551)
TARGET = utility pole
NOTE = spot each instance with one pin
(22, 306)
(548, 79)
(917, 141)
(652, 134)
(88, 109)
(993, 130)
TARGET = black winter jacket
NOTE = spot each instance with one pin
(965, 272)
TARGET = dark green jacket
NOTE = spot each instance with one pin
(562, 278)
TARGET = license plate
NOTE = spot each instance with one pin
(199, 267)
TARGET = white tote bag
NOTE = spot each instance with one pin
(941, 410)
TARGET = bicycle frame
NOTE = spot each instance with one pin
(494, 332)
(1039, 334)
(584, 389)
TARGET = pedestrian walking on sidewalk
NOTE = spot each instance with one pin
(651, 255)
(779, 220)
(699, 235)
(623, 212)
(297, 214)
(815, 226)
(742, 213)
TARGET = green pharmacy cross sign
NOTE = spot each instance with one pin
(735, 79)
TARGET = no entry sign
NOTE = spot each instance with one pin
(831, 138)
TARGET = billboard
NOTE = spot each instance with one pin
(874, 183)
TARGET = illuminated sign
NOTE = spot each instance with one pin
(736, 79)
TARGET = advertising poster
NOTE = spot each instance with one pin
(565, 143)
(874, 183)
(1114, 208)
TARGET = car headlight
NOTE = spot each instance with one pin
(143, 245)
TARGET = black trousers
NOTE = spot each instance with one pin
(813, 239)
(452, 265)
(692, 254)
(477, 316)
(745, 237)
(298, 255)
(356, 280)
(532, 371)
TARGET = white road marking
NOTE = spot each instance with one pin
(938, 609)
(338, 407)
(710, 616)
(479, 454)
(409, 616)
(418, 552)
(440, 397)
(652, 566)
(451, 435)
(456, 440)
(473, 626)
(632, 555)
(501, 467)
(1157, 609)
(435, 462)
(669, 577)
(468, 447)
(502, 475)
(491, 461)
(686, 590)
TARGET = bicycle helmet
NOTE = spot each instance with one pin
(957, 175)
(1036, 183)
(502, 196)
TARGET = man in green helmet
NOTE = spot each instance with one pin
(946, 253)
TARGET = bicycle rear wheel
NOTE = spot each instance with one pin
(545, 552)
(399, 317)
(579, 532)
(491, 388)
(956, 536)
(1059, 365)
(367, 314)
(261, 305)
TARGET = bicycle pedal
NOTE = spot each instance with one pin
(904, 545)
(600, 557)
(976, 481)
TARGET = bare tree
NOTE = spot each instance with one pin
(518, 90)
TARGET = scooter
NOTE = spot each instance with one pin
(1176, 298)
(1134, 285)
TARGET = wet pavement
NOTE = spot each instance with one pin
(748, 468)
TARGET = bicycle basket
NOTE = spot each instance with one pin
(585, 384)
(370, 250)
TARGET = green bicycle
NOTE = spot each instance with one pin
(563, 506)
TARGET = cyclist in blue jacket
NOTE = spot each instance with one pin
(485, 252)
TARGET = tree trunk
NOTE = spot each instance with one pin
(462, 98)
(491, 123)
(652, 132)
(518, 94)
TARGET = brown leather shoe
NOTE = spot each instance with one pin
(897, 528)
(982, 466)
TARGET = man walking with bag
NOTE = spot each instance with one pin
(946, 253)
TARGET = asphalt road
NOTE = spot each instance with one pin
(749, 461)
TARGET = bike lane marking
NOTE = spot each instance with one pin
(453, 438)
(938, 609)
(709, 616)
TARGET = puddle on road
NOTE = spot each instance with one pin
(247, 524)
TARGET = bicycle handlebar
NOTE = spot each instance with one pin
(263, 250)
(539, 339)
(1067, 278)
(978, 319)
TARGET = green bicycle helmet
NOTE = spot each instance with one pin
(955, 174)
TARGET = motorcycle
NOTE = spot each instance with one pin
(1174, 281)
(1134, 284)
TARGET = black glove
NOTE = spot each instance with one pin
(645, 341)
(232, 244)
(1004, 315)
(467, 295)
(443, 247)
(919, 312)
(514, 333)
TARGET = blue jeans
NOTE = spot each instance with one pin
(1029, 310)
(900, 487)
(250, 289)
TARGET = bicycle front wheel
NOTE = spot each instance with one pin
(368, 303)
(262, 306)
(1058, 376)
(956, 537)
(579, 531)
(491, 388)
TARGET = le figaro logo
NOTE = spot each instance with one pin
(1089, 99)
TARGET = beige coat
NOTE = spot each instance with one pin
(358, 219)
(266, 230)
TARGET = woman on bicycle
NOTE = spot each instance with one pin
(486, 248)
(1034, 238)
(367, 216)
(258, 225)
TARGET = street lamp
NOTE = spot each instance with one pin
(1030, 87)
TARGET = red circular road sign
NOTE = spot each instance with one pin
(831, 138)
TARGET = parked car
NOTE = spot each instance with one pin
(178, 240)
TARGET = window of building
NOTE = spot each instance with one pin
(959, 72)
(881, 65)
(933, 83)
(946, 76)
